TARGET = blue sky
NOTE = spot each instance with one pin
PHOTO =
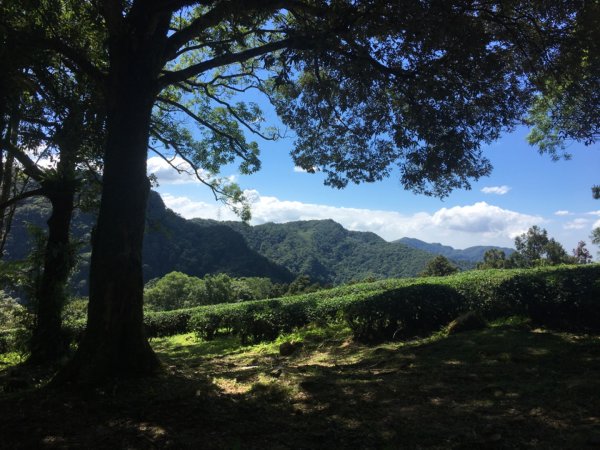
(525, 189)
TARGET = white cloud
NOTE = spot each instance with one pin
(459, 226)
(498, 190)
(166, 174)
(594, 213)
(577, 224)
(190, 209)
(596, 224)
(562, 212)
(298, 169)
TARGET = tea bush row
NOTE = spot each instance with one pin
(566, 297)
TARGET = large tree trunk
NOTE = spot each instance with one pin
(48, 343)
(115, 344)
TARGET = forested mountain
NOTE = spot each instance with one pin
(470, 255)
(170, 243)
(322, 249)
(329, 253)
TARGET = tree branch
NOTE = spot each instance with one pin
(237, 146)
(179, 170)
(77, 57)
(204, 44)
(22, 196)
(30, 167)
(213, 17)
(238, 118)
(169, 77)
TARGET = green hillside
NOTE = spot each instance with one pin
(322, 249)
(171, 243)
(329, 253)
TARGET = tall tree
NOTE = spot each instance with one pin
(439, 266)
(365, 85)
(535, 248)
(494, 259)
(11, 61)
(581, 254)
(595, 237)
(56, 118)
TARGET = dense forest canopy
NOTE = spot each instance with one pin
(366, 86)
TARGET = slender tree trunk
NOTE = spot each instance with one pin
(48, 343)
(115, 344)
(7, 183)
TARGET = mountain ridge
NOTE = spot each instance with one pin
(471, 254)
(322, 249)
(329, 253)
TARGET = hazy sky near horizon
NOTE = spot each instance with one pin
(524, 189)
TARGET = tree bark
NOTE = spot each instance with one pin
(7, 183)
(115, 345)
(48, 343)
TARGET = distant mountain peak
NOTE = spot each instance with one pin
(471, 255)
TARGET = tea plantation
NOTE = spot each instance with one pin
(367, 368)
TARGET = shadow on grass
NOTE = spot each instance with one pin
(497, 388)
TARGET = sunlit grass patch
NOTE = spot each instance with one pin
(10, 359)
(188, 347)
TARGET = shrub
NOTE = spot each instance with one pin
(167, 323)
(564, 297)
(405, 312)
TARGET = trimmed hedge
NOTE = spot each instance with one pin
(167, 323)
(563, 297)
(405, 312)
(158, 324)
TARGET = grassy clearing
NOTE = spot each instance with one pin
(503, 387)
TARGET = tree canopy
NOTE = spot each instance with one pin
(439, 266)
